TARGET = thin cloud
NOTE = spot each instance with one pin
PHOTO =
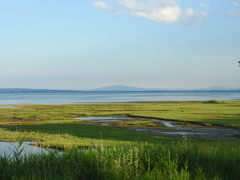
(236, 4)
(189, 16)
(159, 10)
(232, 13)
(102, 5)
(206, 7)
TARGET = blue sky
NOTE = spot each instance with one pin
(144, 43)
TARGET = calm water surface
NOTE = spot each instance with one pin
(9, 148)
(105, 97)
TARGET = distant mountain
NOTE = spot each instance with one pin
(130, 88)
(111, 88)
(26, 90)
(214, 88)
(119, 88)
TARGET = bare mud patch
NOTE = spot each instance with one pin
(171, 128)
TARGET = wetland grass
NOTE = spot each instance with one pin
(226, 114)
(68, 136)
(54, 125)
(137, 123)
(114, 153)
(179, 160)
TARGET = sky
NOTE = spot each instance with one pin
(87, 44)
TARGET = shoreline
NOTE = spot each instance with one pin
(112, 97)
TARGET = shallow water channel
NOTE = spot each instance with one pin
(171, 128)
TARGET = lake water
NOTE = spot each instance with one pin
(106, 97)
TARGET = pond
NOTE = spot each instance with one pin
(170, 128)
(10, 148)
(8, 107)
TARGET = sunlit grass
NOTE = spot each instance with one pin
(67, 136)
(137, 123)
(55, 120)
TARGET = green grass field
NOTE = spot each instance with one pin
(115, 153)
(43, 122)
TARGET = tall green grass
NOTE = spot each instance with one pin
(182, 160)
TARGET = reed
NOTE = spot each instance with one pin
(182, 160)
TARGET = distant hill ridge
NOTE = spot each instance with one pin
(119, 88)
(111, 88)
(130, 88)
(26, 90)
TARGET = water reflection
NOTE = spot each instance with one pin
(11, 148)
(8, 107)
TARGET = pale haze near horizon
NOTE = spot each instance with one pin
(146, 43)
